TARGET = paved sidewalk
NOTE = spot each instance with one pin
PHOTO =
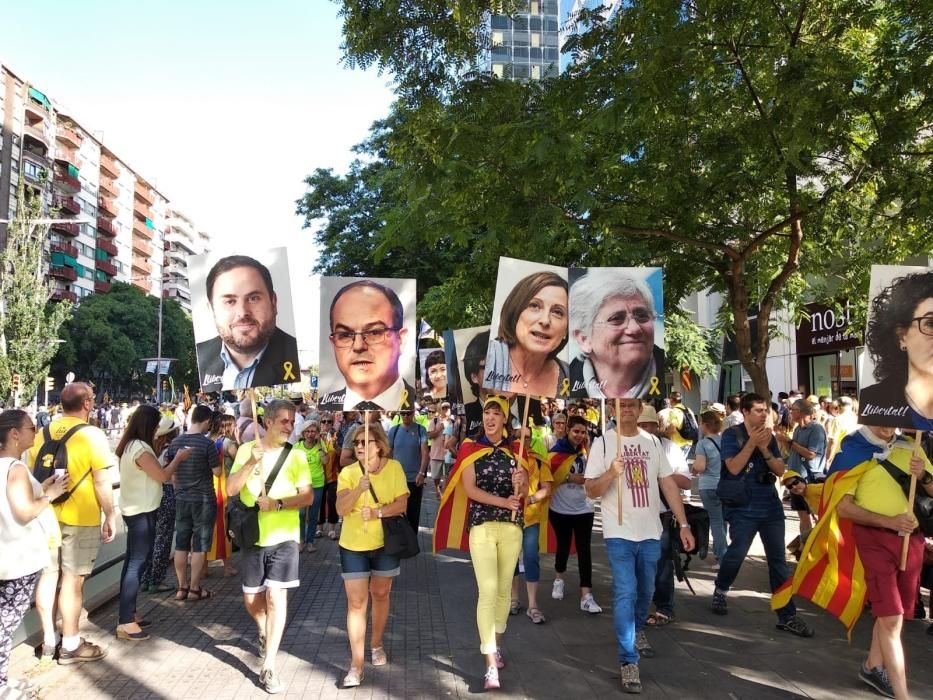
(207, 650)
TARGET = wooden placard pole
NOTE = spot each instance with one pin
(521, 444)
(621, 483)
(365, 462)
(918, 438)
(251, 393)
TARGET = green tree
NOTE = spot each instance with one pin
(755, 148)
(109, 334)
(29, 324)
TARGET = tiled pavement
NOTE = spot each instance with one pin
(206, 650)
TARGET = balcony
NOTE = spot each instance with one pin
(108, 268)
(64, 295)
(63, 273)
(142, 266)
(101, 287)
(141, 210)
(65, 229)
(35, 112)
(142, 247)
(68, 183)
(109, 185)
(181, 241)
(108, 206)
(68, 156)
(108, 165)
(144, 192)
(106, 245)
(66, 248)
(68, 205)
(38, 133)
(105, 227)
(140, 229)
(177, 255)
(69, 136)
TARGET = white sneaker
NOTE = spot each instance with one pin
(557, 592)
(588, 605)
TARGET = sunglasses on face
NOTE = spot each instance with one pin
(359, 443)
(327, 421)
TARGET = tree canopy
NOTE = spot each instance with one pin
(768, 151)
(109, 334)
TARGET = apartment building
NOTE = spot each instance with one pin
(524, 46)
(109, 221)
(182, 240)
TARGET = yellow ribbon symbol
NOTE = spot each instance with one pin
(654, 390)
(565, 387)
(404, 402)
(289, 375)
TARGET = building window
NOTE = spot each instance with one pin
(535, 7)
(536, 72)
(497, 39)
(497, 69)
(535, 39)
(501, 22)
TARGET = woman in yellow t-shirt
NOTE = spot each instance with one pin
(367, 569)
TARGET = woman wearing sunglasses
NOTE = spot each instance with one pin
(369, 489)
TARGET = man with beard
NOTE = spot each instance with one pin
(249, 349)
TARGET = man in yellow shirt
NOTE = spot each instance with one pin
(271, 568)
(90, 494)
(876, 503)
(671, 421)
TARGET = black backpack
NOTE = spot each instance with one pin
(53, 455)
(923, 504)
(689, 430)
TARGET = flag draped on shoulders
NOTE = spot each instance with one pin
(562, 456)
(830, 573)
(451, 527)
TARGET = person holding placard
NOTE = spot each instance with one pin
(365, 495)
(899, 340)
(613, 323)
(523, 358)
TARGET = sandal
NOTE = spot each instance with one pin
(535, 615)
(353, 678)
(379, 656)
(199, 594)
(515, 607)
(181, 594)
(659, 619)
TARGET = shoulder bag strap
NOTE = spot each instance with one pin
(278, 465)
(371, 489)
(897, 474)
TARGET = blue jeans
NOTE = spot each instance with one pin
(530, 557)
(717, 521)
(664, 579)
(140, 536)
(634, 566)
(308, 516)
(742, 531)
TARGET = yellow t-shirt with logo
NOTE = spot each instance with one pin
(88, 449)
(539, 473)
(389, 484)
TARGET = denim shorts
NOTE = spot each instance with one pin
(194, 525)
(374, 562)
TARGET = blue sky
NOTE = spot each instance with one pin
(224, 105)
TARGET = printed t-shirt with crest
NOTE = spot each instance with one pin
(645, 462)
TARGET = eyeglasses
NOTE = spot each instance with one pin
(327, 421)
(620, 318)
(924, 324)
(560, 422)
(359, 443)
(373, 336)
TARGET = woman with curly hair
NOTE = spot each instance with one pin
(900, 342)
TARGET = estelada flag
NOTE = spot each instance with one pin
(829, 573)
(451, 527)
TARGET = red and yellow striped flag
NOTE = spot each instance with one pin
(829, 573)
(451, 530)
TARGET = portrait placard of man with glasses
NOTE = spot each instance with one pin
(369, 327)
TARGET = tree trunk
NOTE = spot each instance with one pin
(737, 297)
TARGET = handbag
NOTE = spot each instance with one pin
(734, 493)
(243, 520)
(400, 539)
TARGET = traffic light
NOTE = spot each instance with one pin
(49, 385)
(16, 383)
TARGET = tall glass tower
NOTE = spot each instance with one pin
(525, 46)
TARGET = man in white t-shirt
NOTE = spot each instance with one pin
(633, 545)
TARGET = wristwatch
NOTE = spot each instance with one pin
(532, 500)
(684, 526)
(379, 513)
(279, 505)
(927, 478)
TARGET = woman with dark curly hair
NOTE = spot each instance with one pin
(435, 375)
(900, 342)
(533, 321)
